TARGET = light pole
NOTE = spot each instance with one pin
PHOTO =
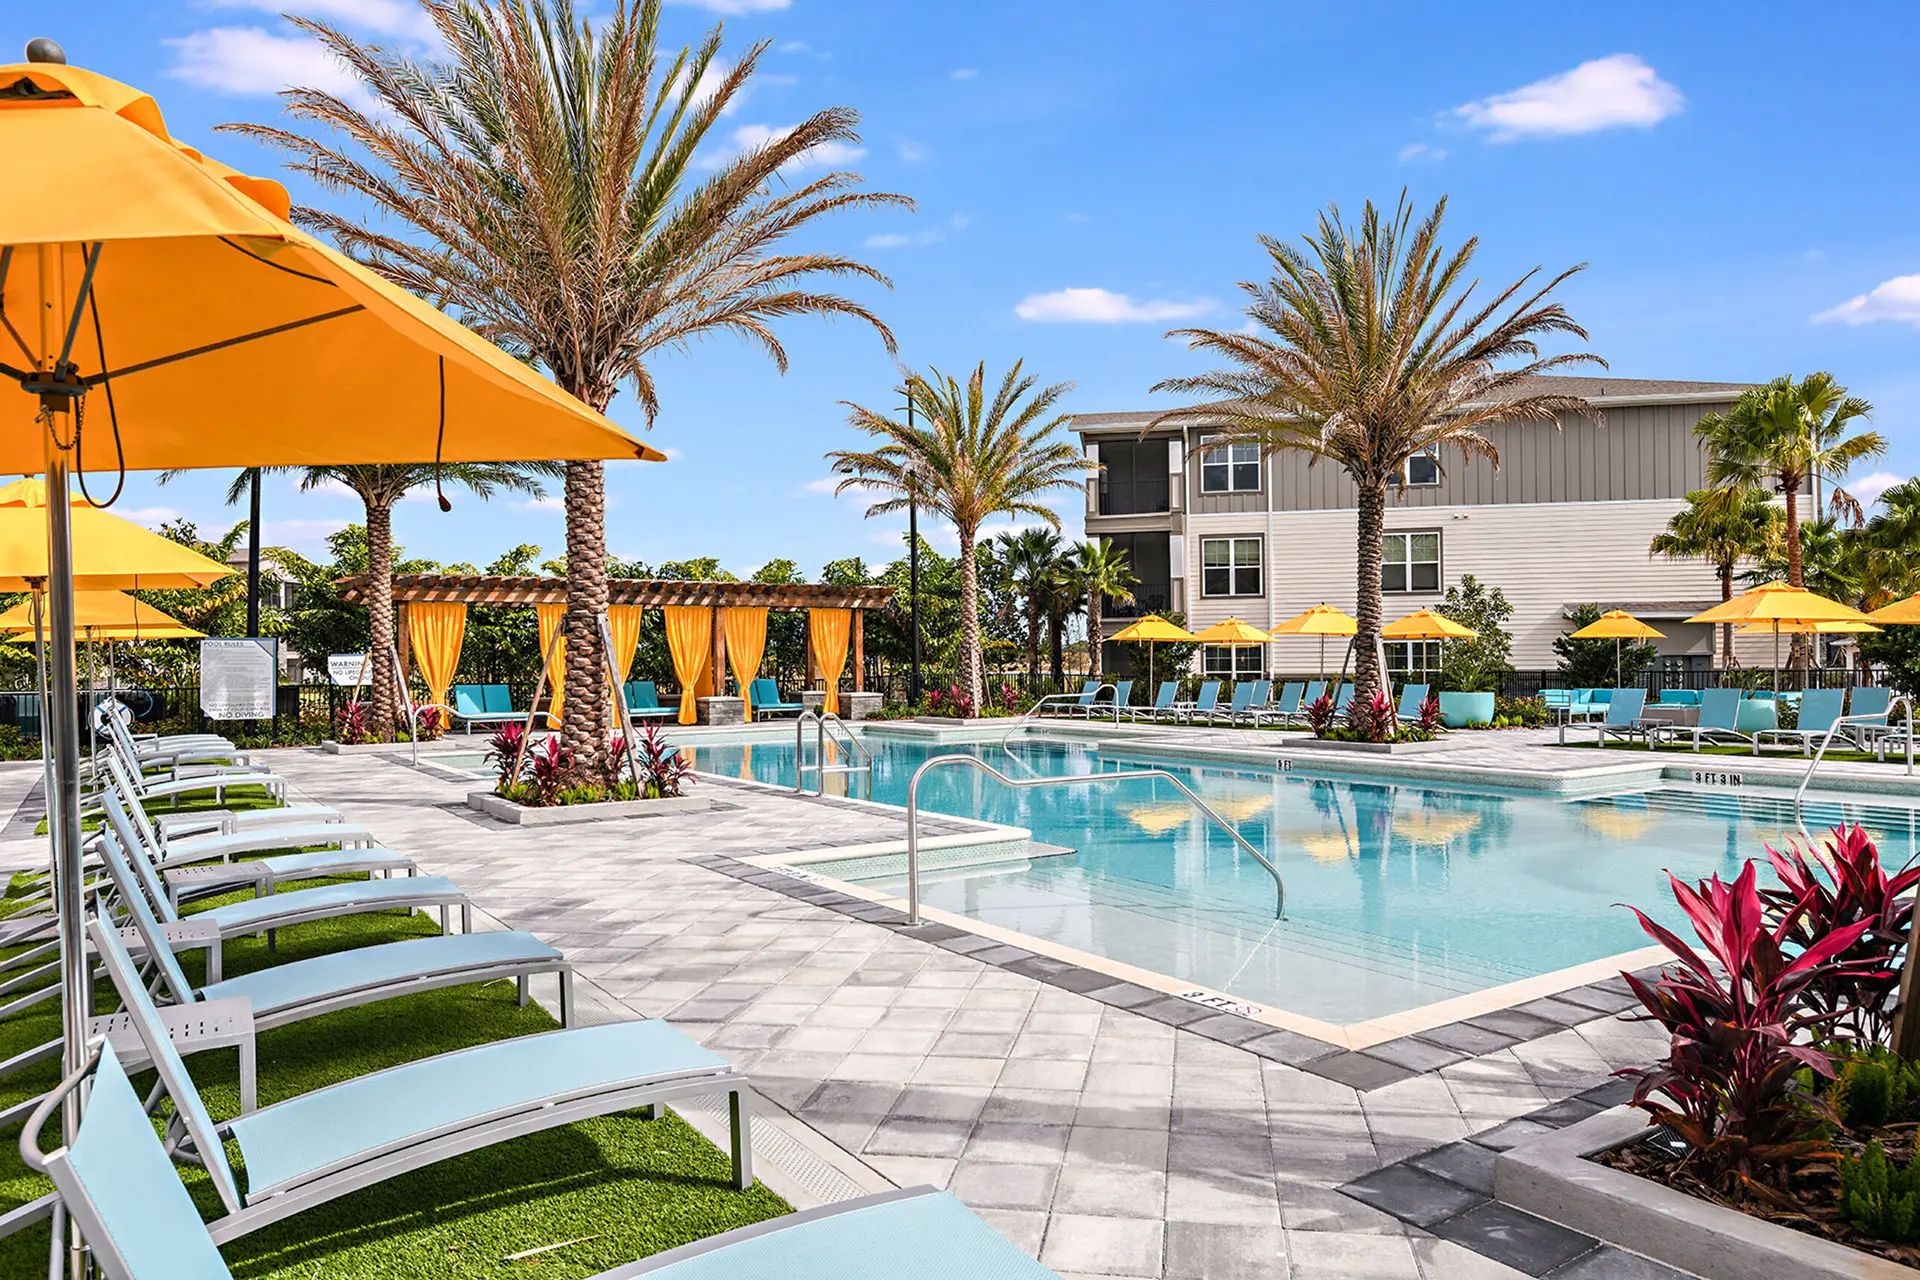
(913, 569)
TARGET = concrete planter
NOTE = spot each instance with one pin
(853, 706)
(333, 748)
(719, 711)
(1458, 710)
(1310, 743)
(520, 815)
(1553, 1178)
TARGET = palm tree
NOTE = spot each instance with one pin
(379, 488)
(543, 181)
(1374, 350)
(1062, 603)
(1723, 534)
(1887, 544)
(968, 458)
(1099, 572)
(1034, 557)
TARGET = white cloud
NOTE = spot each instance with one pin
(1098, 306)
(914, 152)
(547, 503)
(1814, 255)
(903, 239)
(1422, 152)
(1605, 93)
(151, 517)
(828, 484)
(1078, 219)
(1869, 488)
(963, 73)
(801, 47)
(673, 454)
(327, 488)
(827, 155)
(247, 60)
(1897, 299)
(736, 6)
(301, 533)
(389, 17)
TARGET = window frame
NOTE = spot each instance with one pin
(1406, 470)
(1233, 669)
(1404, 649)
(1234, 568)
(1230, 465)
(1407, 563)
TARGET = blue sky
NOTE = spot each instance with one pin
(1089, 176)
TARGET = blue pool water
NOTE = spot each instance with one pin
(1398, 894)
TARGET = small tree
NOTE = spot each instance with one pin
(1100, 573)
(1476, 665)
(1590, 663)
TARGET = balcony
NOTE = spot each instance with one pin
(1134, 497)
(1133, 477)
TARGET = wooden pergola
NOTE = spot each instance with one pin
(495, 590)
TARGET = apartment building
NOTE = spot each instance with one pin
(1215, 530)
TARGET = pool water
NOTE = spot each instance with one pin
(1398, 894)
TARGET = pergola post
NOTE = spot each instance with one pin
(403, 639)
(859, 651)
(719, 668)
(813, 668)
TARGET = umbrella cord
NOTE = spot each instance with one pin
(113, 414)
(440, 442)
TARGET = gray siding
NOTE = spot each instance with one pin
(1638, 452)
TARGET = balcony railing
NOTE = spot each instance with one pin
(1134, 497)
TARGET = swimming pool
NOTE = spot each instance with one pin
(1399, 895)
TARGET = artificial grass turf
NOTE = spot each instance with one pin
(618, 1187)
(1734, 749)
(238, 799)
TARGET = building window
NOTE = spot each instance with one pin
(1410, 562)
(1423, 470)
(1230, 468)
(1230, 566)
(1233, 661)
(1418, 660)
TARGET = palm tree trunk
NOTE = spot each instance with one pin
(1726, 628)
(1798, 652)
(1367, 604)
(1056, 647)
(969, 673)
(1095, 635)
(584, 731)
(1033, 640)
(380, 616)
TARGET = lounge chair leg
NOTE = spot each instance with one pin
(522, 984)
(649, 1112)
(443, 920)
(272, 939)
(466, 917)
(740, 1120)
(566, 997)
(249, 1077)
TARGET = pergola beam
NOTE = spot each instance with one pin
(491, 589)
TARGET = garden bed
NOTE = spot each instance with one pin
(502, 809)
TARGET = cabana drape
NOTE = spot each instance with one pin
(435, 630)
(551, 616)
(690, 640)
(623, 624)
(746, 642)
(828, 630)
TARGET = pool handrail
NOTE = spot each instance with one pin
(1033, 712)
(1883, 717)
(820, 768)
(1072, 779)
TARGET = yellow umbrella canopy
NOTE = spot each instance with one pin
(1779, 602)
(1808, 628)
(109, 553)
(1900, 612)
(1617, 624)
(1152, 628)
(228, 336)
(107, 615)
(1321, 620)
(1425, 624)
(1232, 631)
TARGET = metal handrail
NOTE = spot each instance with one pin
(820, 768)
(1076, 779)
(1033, 712)
(1883, 717)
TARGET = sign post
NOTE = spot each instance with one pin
(239, 678)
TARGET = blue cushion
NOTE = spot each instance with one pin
(469, 699)
(498, 698)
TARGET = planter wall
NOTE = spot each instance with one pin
(1458, 710)
(520, 815)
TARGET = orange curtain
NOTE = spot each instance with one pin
(746, 641)
(623, 623)
(690, 640)
(435, 630)
(551, 616)
(828, 629)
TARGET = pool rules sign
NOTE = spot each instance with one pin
(238, 678)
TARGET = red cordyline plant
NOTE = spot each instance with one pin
(503, 751)
(664, 770)
(1375, 718)
(1430, 722)
(549, 766)
(1739, 1034)
(353, 723)
(1320, 715)
(1834, 883)
(431, 723)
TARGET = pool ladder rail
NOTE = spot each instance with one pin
(820, 768)
(1884, 718)
(1069, 780)
(1073, 700)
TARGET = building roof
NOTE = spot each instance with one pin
(494, 589)
(1601, 390)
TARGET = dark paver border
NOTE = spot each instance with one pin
(1362, 1069)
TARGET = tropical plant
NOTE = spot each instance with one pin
(503, 752)
(1099, 572)
(1780, 438)
(1891, 570)
(1723, 530)
(1374, 720)
(1880, 1198)
(1475, 664)
(1430, 723)
(430, 724)
(543, 180)
(1873, 1087)
(1374, 351)
(664, 768)
(1033, 558)
(967, 458)
(1320, 715)
(1738, 1034)
(550, 768)
(1834, 883)
(1585, 663)
(352, 724)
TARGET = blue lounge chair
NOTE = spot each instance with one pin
(1867, 702)
(1411, 697)
(1343, 699)
(1819, 710)
(1203, 705)
(1679, 697)
(1256, 705)
(1316, 690)
(1719, 721)
(1623, 718)
(1242, 699)
(133, 1211)
(318, 1146)
(1122, 696)
(1162, 702)
(1287, 709)
(483, 704)
(643, 702)
(1081, 705)
(767, 701)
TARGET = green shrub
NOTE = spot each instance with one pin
(1874, 1088)
(1879, 1197)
